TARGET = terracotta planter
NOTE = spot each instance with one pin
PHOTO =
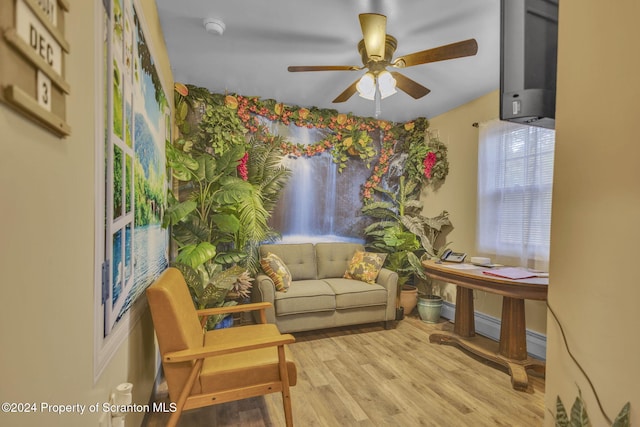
(408, 298)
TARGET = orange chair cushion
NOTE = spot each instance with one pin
(246, 368)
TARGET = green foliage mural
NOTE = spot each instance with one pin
(229, 172)
(226, 182)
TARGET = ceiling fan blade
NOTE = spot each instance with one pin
(442, 53)
(374, 33)
(348, 93)
(413, 88)
(297, 68)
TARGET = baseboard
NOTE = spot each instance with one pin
(489, 327)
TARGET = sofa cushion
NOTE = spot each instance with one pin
(333, 257)
(277, 270)
(299, 257)
(355, 293)
(365, 266)
(305, 296)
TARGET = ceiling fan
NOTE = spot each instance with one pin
(376, 49)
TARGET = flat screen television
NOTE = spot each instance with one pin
(528, 61)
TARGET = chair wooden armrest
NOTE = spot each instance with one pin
(236, 347)
(262, 306)
(181, 338)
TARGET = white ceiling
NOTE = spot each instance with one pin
(263, 37)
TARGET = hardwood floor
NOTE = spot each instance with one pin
(369, 376)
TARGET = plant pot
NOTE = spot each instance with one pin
(430, 307)
(408, 298)
(227, 322)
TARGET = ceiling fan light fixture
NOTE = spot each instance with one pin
(386, 84)
(366, 87)
(376, 50)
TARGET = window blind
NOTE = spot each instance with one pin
(515, 180)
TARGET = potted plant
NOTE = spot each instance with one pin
(403, 233)
(429, 301)
(210, 286)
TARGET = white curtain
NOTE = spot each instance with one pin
(515, 177)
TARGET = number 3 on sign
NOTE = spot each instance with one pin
(43, 93)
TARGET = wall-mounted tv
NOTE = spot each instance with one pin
(528, 61)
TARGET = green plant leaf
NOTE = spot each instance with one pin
(192, 277)
(230, 257)
(624, 417)
(401, 240)
(182, 111)
(206, 168)
(190, 231)
(177, 159)
(254, 217)
(579, 417)
(414, 204)
(226, 223)
(178, 212)
(380, 210)
(233, 190)
(438, 222)
(196, 255)
(228, 161)
(562, 419)
(213, 295)
(226, 278)
(417, 268)
(376, 227)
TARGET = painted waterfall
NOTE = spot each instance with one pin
(318, 203)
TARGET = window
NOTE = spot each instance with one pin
(515, 179)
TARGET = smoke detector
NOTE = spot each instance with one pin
(214, 26)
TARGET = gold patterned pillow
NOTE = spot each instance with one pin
(365, 266)
(277, 270)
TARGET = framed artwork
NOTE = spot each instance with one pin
(132, 247)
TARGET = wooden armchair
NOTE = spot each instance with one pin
(211, 367)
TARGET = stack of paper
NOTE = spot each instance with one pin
(513, 273)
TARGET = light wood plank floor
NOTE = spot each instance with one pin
(369, 376)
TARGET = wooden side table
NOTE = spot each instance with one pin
(511, 351)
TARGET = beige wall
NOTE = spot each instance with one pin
(47, 252)
(595, 286)
(47, 226)
(458, 195)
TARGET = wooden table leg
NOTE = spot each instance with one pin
(465, 316)
(513, 339)
(510, 352)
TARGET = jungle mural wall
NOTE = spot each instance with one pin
(323, 168)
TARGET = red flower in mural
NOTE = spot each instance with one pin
(242, 167)
(428, 163)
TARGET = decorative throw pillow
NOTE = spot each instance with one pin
(277, 270)
(365, 266)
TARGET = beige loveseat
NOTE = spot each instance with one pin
(319, 296)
